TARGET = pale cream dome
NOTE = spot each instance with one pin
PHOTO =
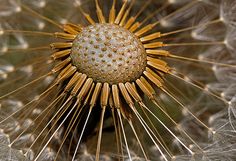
(109, 53)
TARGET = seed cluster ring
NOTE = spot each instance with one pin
(132, 60)
(79, 64)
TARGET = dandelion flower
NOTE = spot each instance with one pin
(117, 80)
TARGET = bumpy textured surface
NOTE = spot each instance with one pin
(108, 53)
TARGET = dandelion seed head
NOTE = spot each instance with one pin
(4, 49)
(225, 42)
(222, 94)
(63, 21)
(48, 80)
(185, 113)
(186, 78)
(105, 158)
(207, 87)
(108, 53)
(48, 154)
(36, 97)
(27, 69)
(171, 1)
(213, 131)
(30, 154)
(227, 12)
(36, 111)
(77, 3)
(1, 31)
(211, 119)
(24, 45)
(49, 61)
(194, 34)
(26, 138)
(230, 39)
(5, 68)
(41, 25)
(165, 23)
(163, 97)
(214, 68)
(192, 147)
(201, 57)
(162, 157)
(222, 19)
(3, 75)
(5, 138)
(58, 134)
(18, 127)
(18, 9)
(28, 122)
(42, 4)
(11, 104)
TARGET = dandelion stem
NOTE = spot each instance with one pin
(126, 14)
(87, 16)
(100, 15)
(41, 16)
(27, 32)
(155, 12)
(144, 126)
(197, 86)
(143, 8)
(18, 89)
(190, 28)
(160, 141)
(82, 132)
(123, 132)
(112, 13)
(132, 19)
(185, 108)
(54, 133)
(196, 43)
(175, 123)
(202, 61)
(178, 10)
(118, 141)
(137, 138)
(121, 12)
(28, 49)
(100, 134)
(70, 126)
(48, 107)
(167, 129)
(166, 17)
